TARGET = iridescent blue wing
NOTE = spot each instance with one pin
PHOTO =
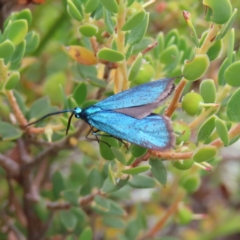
(139, 101)
(153, 132)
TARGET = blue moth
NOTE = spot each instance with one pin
(128, 116)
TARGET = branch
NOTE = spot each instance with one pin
(19, 115)
(54, 148)
(9, 165)
(161, 222)
(174, 103)
(67, 205)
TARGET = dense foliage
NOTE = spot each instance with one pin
(62, 54)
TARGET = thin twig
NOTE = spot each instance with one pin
(54, 148)
(84, 201)
(174, 103)
(9, 165)
(19, 115)
(162, 221)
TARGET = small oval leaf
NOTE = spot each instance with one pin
(12, 80)
(206, 129)
(233, 106)
(73, 11)
(136, 170)
(81, 55)
(208, 91)
(232, 74)
(136, 65)
(88, 30)
(6, 49)
(80, 93)
(158, 170)
(110, 55)
(195, 68)
(222, 131)
(110, 5)
(205, 153)
(134, 21)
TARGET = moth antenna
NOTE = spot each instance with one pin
(69, 122)
(47, 115)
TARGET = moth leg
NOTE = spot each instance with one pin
(93, 132)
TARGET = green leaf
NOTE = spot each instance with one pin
(51, 86)
(110, 25)
(101, 205)
(97, 82)
(94, 180)
(195, 68)
(18, 55)
(134, 21)
(113, 222)
(12, 80)
(227, 26)
(138, 151)
(158, 170)
(32, 41)
(145, 74)
(17, 31)
(191, 183)
(111, 175)
(205, 153)
(160, 46)
(119, 155)
(108, 186)
(222, 131)
(233, 106)
(136, 65)
(88, 30)
(137, 33)
(208, 91)
(110, 5)
(87, 234)
(232, 74)
(71, 195)
(25, 14)
(91, 5)
(206, 129)
(6, 49)
(110, 55)
(169, 55)
(58, 184)
(220, 12)
(183, 164)
(221, 72)
(182, 131)
(78, 175)
(115, 208)
(73, 11)
(68, 219)
(39, 108)
(231, 46)
(140, 46)
(142, 181)
(80, 93)
(9, 132)
(215, 50)
(105, 150)
(136, 170)
(98, 13)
